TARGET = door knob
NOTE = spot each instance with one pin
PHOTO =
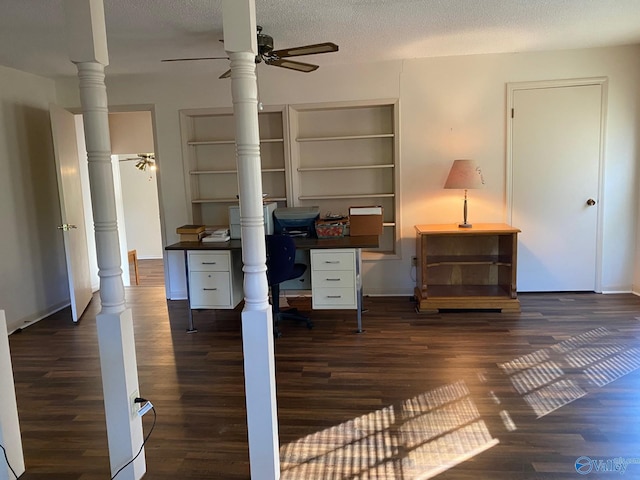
(591, 202)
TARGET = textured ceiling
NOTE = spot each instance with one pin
(142, 32)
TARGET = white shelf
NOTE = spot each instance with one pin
(211, 142)
(345, 137)
(214, 200)
(233, 200)
(333, 197)
(344, 167)
(216, 172)
(195, 143)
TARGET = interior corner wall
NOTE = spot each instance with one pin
(34, 281)
(450, 107)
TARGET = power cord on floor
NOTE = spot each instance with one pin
(7, 459)
(146, 408)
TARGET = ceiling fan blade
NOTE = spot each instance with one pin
(226, 74)
(326, 47)
(195, 58)
(299, 66)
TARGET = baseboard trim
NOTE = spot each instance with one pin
(36, 317)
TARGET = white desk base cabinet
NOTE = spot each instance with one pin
(215, 279)
(333, 279)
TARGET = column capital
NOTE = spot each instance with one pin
(86, 31)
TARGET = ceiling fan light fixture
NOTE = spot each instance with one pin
(146, 160)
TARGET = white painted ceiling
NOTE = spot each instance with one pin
(142, 32)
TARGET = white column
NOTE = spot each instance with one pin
(257, 322)
(9, 427)
(88, 50)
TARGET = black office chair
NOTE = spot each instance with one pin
(282, 266)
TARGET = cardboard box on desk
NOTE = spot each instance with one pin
(365, 221)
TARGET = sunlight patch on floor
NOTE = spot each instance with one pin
(540, 376)
(418, 439)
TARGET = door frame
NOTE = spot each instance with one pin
(512, 87)
(151, 109)
(158, 176)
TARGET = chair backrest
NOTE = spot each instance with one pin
(281, 257)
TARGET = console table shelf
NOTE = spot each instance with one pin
(466, 268)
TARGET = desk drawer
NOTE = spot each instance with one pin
(209, 262)
(210, 289)
(333, 279)
(334, 298)
(333, 260)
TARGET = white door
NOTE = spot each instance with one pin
(555, 154)
(71, 208)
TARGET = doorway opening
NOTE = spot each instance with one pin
(137, 198)
(139, 190)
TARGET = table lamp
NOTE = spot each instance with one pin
(464, 174)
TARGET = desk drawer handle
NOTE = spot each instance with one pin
(334, 296)
(209, 289)
(332, 279)
(332, 262)
(209, 263)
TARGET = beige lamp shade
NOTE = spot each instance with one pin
(464, 174)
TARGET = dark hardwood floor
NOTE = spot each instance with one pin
(457, 395)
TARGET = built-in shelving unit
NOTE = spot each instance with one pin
(346, 154)
(210, 161)
(330, 155)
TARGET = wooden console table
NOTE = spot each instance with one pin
(466, 268)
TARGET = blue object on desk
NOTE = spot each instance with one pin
(296, 221)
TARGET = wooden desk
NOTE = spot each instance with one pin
(218, 278)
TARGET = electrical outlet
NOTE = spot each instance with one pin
(414, 261)
(134, 406)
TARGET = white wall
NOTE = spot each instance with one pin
(458, 110)
(33, 280)
(451, 107)
(141, 210)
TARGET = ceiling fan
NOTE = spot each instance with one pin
(278, 58)
(143, 160)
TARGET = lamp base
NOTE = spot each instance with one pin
(464, 225)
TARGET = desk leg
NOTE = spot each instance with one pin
(359, 288)
(190, 327)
